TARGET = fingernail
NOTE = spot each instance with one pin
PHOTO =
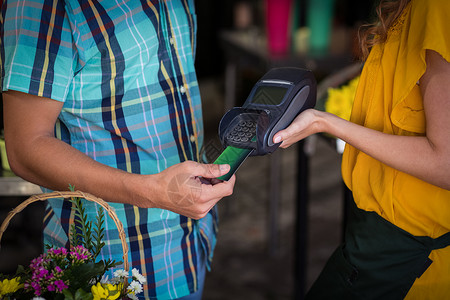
(277, 139)
(223, 167)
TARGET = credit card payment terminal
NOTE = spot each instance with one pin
(273, 103)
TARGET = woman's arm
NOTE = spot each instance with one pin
(427, 158)
(37, 156)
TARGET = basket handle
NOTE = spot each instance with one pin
(101, 202)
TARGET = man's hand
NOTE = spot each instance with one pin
(190, 188)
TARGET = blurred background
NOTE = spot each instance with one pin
(287, 213)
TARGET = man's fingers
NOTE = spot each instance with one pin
(212, 170)
(219, 190)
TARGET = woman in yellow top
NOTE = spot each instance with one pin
(396, 162)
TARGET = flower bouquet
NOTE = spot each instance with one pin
(336, 92)
(73, 273)
(340, 99)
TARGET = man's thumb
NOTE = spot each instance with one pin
(215, 170)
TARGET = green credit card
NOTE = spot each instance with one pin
(234, 157)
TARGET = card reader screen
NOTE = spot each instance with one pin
(269, 95)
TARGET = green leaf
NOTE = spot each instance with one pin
(82, 224)
(111, 263)
(83, 295)
(98, 233)
(68, 295)
(80, 294)
(84, 232)
(81, 276)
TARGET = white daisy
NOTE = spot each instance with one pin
(135, 287)
(105, 279)
(121, 273)
(138, 276)
(132, 296)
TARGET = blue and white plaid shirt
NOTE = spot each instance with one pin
(125, 72)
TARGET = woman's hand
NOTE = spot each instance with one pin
(304, 125)
(425, 157)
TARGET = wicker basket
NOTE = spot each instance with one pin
(65, 195)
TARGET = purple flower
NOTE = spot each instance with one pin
(42, 272)
(47, 270)
(60, 285)
(79, 254)
(62, 252)
(36, 287)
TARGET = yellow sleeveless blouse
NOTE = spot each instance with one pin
(388, 99)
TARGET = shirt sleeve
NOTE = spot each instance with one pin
(37, 52)
(426, 29)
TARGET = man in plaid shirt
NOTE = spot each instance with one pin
(103, 95)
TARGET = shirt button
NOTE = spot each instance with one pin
(192, 138)
(182, 89)
(171, 41)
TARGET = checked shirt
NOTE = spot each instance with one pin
(125, 72)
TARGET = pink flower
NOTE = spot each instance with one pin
(37, 288)
(60, 285)
(42, 273)
(79, 254)
(57, 252)
(48, 270)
